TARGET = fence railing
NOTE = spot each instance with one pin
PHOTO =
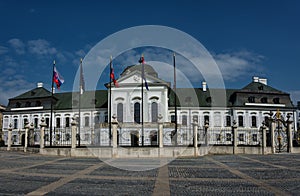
(131, 135)
(60, 137)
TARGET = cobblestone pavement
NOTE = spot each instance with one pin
(32, 174)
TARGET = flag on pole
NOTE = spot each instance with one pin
(57, 78)
(142, 61)
(112, 76)
(82, 83)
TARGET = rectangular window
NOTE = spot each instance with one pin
(241, 121)
(57, 122)
(228, 137)
(15, 123)
(228, 121)
(173, 120)
(86, 121)
(241, 137)
(184, 120)
(25, 121)
(36, 123)
(218, 137)
(254, 137)
(5, 122)
(253, 121)
(206, 119)
(67, 121)
(195, 118)
(47, 122)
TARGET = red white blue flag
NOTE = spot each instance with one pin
(57, 78)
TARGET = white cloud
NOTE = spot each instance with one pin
(17, 45)
(3, 50)
(41, 47)
(295, 96)
(234, 65)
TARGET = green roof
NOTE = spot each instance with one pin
(36, 93)
(147, 69)
(89, 99)
(259, 87)
(196, 97)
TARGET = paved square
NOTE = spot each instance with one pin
(33, 174)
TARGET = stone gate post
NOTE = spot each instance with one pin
(31, 134)
(206, 137)
(160, 131)
(9, 137)
(43, 125)
(195, 133)
(235, 139)
(74, 132)
(27, 126)
(264, 137)
(272, 131)
(114, 131)
(289, 134)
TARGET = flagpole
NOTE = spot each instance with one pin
(51, 108)
(109, 113)
(142, 90)
(79, 102)
(175, 97)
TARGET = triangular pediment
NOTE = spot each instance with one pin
(135, 78)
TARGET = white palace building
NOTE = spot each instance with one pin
(247, 108)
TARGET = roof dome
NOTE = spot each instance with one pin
(148, 69)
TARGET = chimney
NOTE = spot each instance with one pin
(255, 79)
(39, 84)
(260, 80)
(263, 81)
(204, 87)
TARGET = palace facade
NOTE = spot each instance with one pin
(138, 115)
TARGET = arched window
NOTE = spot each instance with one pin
(137, 112)
(154, 111)
(120, 112)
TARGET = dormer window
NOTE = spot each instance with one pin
(264, 100)
(38, 103)
(276, 100)
(208, 100)
(18, 105)
(251, 99)
(27, 104)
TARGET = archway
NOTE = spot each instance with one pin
(153, 138)
(134, 138)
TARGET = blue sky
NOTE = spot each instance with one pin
(246, 38)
